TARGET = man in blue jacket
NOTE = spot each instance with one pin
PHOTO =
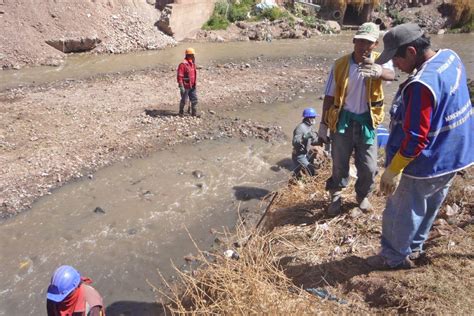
(430, 140)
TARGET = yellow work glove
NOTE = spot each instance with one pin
(391, 176)
(389, 181)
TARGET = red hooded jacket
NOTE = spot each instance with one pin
(187, 74)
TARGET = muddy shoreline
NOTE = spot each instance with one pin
(63, 131)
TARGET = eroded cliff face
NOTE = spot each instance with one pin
(41, 32)
(183, 18)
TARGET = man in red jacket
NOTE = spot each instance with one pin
(187, 82)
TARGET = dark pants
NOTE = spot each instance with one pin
(365, 161)
(191, 94)
(304, 162)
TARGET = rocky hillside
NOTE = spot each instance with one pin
(41, 32)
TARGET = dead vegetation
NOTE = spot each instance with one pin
(303, 262)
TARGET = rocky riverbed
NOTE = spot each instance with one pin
(58, 132)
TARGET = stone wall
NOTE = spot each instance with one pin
(183, 18)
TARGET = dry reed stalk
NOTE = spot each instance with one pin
(276, 265)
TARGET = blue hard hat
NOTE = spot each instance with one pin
(309, 112)
(64, 280)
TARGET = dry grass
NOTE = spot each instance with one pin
(300, 248)
(462, 10)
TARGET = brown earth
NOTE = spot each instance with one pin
(58, 132)
(111, 26)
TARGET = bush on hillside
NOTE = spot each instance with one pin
(272, 14)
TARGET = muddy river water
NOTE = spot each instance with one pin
(144, 207)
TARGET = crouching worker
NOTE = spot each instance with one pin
(69, 294)
(303, 139)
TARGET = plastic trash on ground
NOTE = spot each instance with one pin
(322, 293)
(265, 4)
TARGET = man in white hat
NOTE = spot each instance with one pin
(352, 110)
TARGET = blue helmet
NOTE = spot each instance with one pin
(64, 280)
(309, 112)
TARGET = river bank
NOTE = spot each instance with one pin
(301, 261)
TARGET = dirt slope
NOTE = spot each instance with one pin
(119, 26)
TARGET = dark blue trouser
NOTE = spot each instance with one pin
(304, 162)
(192, 95)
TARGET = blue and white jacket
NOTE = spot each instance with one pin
(432, 119)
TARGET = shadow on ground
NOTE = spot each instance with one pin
(156, 113)
(286, 163)
(131, 308)
(328, 273)
(244, 193)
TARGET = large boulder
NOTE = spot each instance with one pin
(74, 45)
(333, 26)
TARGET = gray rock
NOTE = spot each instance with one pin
(99, 210)
(334, 26)
(355, 213)
(74, 45)
(198, 174)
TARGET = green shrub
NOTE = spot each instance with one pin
(397, 17)
(218, 19)
(310, 21)
(272, 14)
(220, 8)
(216, 22)
(238, 12)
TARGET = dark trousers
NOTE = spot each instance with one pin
(192, 95)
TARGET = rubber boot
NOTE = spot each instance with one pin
(334, 208)
(194, 111)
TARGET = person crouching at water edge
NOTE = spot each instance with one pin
(186, 77)
(69, 294)
(352, 110)
(304, 138)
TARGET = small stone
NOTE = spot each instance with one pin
(355, 213)
(189, 258)
(231, 254)
(452, 210)
(198, 174)
(99, 210)
(440, 222)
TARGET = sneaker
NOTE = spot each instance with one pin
(334, 208)
(364, 204)
(378, 262)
